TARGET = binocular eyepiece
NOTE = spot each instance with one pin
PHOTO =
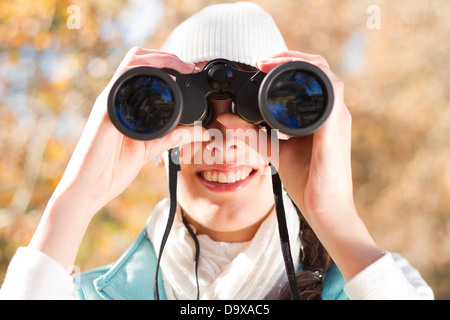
(146, 103)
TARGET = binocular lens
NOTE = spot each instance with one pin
(145, 104)
(296, 99)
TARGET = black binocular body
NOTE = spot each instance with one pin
(146, 103)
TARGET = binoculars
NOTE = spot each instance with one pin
(146, 103)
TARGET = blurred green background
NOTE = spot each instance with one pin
(393, 57)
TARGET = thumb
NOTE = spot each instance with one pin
(182, 135)
(188, 138)
(185, 134)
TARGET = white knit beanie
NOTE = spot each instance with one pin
(239, 32)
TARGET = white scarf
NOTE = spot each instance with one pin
(226, 271)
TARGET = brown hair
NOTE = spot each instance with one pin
(315, 261)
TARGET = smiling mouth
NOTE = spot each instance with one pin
(226, 180)
(226, 177)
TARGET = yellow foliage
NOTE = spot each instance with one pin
(396, 86)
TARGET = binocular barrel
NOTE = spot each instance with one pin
(146, 103)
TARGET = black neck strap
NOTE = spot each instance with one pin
(284, 234)
(197, 254)
(174, 167)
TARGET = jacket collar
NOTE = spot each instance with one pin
(132, 276)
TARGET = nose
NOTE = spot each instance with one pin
(222, 140)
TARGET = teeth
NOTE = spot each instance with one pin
(228, 177)
(222, 178)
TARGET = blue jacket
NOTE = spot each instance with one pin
(132, 277)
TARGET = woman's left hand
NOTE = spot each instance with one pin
(316, 172)
(316, 169)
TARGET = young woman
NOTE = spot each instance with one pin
(227, 206)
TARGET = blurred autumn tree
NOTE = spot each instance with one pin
(396, 75)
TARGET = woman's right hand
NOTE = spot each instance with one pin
(105, 161)
(103, 164)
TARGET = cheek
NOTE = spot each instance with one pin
(186, 179)
(191, 153)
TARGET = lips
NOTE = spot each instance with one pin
(226, 180)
